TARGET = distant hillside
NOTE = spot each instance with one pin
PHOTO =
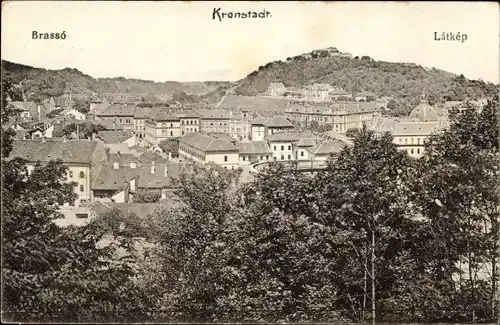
(405, 82)
(41, 83)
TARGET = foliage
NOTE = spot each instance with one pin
(402, 82)
(54, 113)
(85, 129)
(147, 196)
(170, 145)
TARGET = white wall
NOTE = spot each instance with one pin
(218, 158)
(278, 152)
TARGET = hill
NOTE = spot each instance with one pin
(404, 82)
(40, 83)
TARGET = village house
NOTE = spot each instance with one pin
(261, 127)
(161, 125)
(158, 178)
(323, 150)
(82, 157)
(28, 110)
(338, 93)
(301, 148)
(411, 133)
(205, 149)
(254, 151)
(115, 183)
(281, 145)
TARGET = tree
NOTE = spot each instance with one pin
(365, 194)
(147, 196)
(82, 105)
(171, 146)
(51, 273)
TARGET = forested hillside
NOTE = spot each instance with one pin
(404, 82)
(41, 83)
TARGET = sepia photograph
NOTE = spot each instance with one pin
(295, 162)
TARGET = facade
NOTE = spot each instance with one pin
(262, 127)
(206, 149)
(158, 178)
(139, 122)
(341, 116)
(323, 150)
(190, 122)
(161, 125)
(281, 145)
(411, 133)
(27, 110)
(84, 159)
(120, 115)
(254, 151)
(215, 121)
(240, 127)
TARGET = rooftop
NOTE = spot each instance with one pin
(253, 147)
(158, 175)
(69, 151)
(207, 143)
(112, 137)
(327, 147)
(114, 179)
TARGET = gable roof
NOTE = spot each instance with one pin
(141, 112)
(112, 137)
(207, 143)
(158, 179)
(124, 159)
(283, 137)
(114, 179)
(162, 114)
(253, 147)
(214, 114)
(69, 151)
(116, 110)
(307, 142)
(424, 112)
(327, 147)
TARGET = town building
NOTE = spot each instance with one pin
(254, 151)
(161, 125)
(29, 110)
(261, 127)
(365, 96)
(411, 133)
(121, 115)
(206, 149)
(341, 116)
(239, 126)
(159, 178)
(323, 150)
(190, 121)
(116, 137)
(115, 183)
(139, 122)
(338, 94)
(216, 121)
(82, 157)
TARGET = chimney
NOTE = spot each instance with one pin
(153, 167)
(107, 153)
(166, 170)
(116, 165)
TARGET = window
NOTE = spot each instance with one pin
(225, 167)
(70, 173)
(412, 140)
(81, 188)
(244, 158)
(406, 140)
(171, 133)
(81, 175)
(418, 150)
(182, 122)
(183, 132)
(261, 158)
(302, 153)
(82, 215)
(418, 140)
(289, 157)
(289, 147)
(412, 151)
(400, 140)
(232, 167)
(275, 158)
(274, 148)
(282, 148)
(282, 157)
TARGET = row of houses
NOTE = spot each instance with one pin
(279, 146)
(318, 92)
(101, 172)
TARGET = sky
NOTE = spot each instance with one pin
(180, 41)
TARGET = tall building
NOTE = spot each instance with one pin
(215, 121)
(161, 125)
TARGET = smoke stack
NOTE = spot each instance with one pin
(166, 170)
(153, 167)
